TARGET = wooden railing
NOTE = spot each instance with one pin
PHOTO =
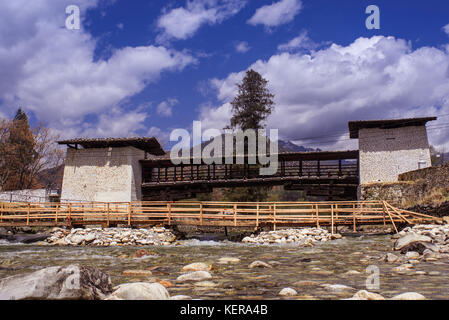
(234, 214)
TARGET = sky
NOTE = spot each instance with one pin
(144, 68)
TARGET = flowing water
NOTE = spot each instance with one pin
(325, 263)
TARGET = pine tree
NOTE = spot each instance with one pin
(253, 104)
(251, 107)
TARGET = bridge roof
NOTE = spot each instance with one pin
(285, 156)
(355, 126)
(150, 145)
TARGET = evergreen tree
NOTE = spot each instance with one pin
(253, 104)
(251, 107)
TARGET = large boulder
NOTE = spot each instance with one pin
(139, 291)
(409, 239)
(57, 283)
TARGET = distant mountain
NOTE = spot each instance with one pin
(283, 146)
(288, 146)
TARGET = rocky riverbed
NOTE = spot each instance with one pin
(305, 237)
(336, 269)
(111, 236)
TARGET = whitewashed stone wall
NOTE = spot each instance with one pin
(386, 153)
(102, 174)
(27, 195)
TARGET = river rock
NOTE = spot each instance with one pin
(391, 258)
(226, 260)
(195, 276)
(57, 283)
(337, 288)
(366, 295)
(412, 255)
(139, 291)
(410, 238)
(206, 284)
(409, 296)
(259, 264)
(288, 292)
(137, 273)
(197, 266)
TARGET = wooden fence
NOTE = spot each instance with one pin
(232, 214)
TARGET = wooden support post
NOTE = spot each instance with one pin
(169, 213)
(332, 219)
(108, 213)
(129, 213)
(353, 217)
(391, 218)
(70, 215)
(257, 216)
(201, 214)
(28, 214)
(56, 213)
(274, 216)
(317, 209)
(383, 214)
(235, 214)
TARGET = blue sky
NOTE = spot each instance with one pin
(146, 67)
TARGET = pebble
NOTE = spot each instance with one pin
(195, 276)
(288, 292)
(259, 264)
(197, 266)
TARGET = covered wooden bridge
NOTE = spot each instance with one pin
(334, 175)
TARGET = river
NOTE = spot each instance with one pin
(325, 263)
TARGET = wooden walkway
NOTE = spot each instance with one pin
(225, 214)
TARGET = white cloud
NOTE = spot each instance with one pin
(446, 29)
(162, 136)
(277, 13)
(183, 22)
(165, 107)
(300, 42)
(51, 70)
(242, 47)
(372, 78)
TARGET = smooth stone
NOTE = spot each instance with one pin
(337, 288)
(259, 264)
(391, 258)
(72, 282)
(409, 296)
(412, 255)
(197, 266)
(137, 273)
(366, 295)
(352, 272)
(140, 291)
(195, 276)
(288, 292)
(226, 260)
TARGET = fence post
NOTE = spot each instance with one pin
(56, 213)
(235, 214)
(28, 214)
(169, 213)
(201, 213)
(317, 209)
(353, 217)
(129, 213)
(70, 214)
(108, 215)
(274, 216)
(257, 216)
(332, 219)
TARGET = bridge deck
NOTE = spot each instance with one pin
(231, 214)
